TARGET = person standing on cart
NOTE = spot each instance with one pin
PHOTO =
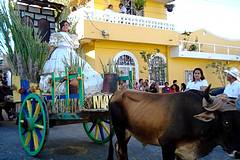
(65, 45)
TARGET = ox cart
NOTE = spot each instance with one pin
(39, 110)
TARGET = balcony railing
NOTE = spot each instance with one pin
(118, 18)
(209, 48)
(187, 49)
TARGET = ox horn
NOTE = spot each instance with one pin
(213, 107)
(207, 90)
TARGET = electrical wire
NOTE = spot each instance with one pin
(93, 23)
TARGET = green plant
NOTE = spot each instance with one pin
(217, 67)
(110, 68)
(139, 4)
(186, 36)
(73, 62)
(146, 57)
(22, 47)
(193, 47)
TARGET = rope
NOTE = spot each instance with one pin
(220, 101)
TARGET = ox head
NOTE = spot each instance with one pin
(224, 118)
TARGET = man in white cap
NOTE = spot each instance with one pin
(232, 89)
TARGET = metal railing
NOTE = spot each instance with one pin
(209, 48)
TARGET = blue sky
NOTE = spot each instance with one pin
(220, 17)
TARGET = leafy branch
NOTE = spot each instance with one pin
(22, 47)
(217, 68)
(147, 56)
(110, 68)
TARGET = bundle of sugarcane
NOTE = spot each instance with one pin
(21, 45)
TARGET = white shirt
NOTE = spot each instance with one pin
(232, 90)
(197, 84)
(123, 9)
(108, 11)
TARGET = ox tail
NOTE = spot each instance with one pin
(110, 149)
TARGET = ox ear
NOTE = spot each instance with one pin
(207, 90)
(205, 116)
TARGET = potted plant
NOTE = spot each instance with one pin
(138, 5)
(186, 36)
(110, 71)
(193, 47)
(169, 7)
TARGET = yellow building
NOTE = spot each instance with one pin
(112, 35)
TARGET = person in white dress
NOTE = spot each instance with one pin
(66, 44)
(199, 82)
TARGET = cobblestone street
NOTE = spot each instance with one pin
(70, 142)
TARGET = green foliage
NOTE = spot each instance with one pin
(186, 36)
(73, 62)
(64, 14)
(24, 51)
(110, 68)
(139, 4)
(193, 47)
(146, 56)
(217, 67)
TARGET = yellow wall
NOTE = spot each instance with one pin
(106, 50)
(103, 4)
(207, 37)
(155, 9)
(152, 8)
(128, 33)
(88, 50)
(176, 67)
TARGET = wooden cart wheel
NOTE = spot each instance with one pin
(33, 124)
(98, 130)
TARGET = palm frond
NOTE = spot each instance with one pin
(23, 49)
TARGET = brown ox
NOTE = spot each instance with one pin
(176, 122)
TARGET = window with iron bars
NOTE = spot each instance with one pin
(130, 8)
(158, 70)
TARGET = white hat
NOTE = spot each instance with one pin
(233, 72)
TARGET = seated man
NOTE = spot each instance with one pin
(233, 88)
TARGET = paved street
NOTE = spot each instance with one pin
(70, 142)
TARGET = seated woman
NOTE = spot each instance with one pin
(66, 44)
(199, 82)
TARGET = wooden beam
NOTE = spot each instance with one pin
(44, 3)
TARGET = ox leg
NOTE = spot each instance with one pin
(119, 125)
(118, 152)
(168, 151)
(121, 144)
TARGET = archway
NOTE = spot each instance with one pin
(127, 61)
